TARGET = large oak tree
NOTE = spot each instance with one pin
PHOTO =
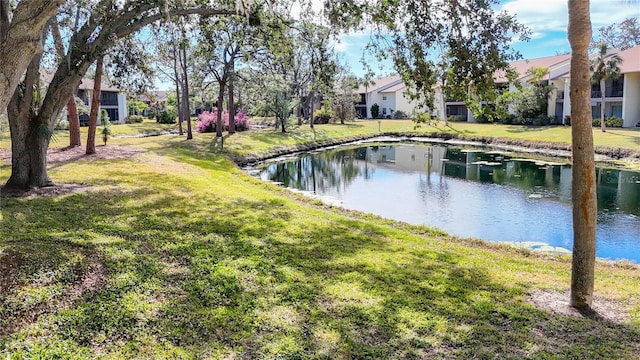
(21, 33)
(32, 116)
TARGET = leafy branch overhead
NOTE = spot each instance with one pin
(468, 38)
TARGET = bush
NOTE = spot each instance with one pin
(375, 111)
(567, 119)
(166, 117)
(541, 120)
(321, 116)
(614, 121)
(60, 125)
(509, 119)
(456, 118)
(400, 115)
(207, 121)
(134, 119)
(483, 118)
(610, 121)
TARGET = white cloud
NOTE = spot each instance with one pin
(552, 15)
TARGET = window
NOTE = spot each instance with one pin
(109, 98)
(83, 95)
(384, 97)
(113, 114)
(384, 111)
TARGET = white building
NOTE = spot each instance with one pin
(389, 93)
(622, 95)
(112, 99)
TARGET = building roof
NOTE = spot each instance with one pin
(630, 60)
(394, 88)
(522, 66)
(86, 84)
(154, 96)
(379, 84)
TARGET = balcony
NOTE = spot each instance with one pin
(610, 93)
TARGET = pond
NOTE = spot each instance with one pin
(493, 196)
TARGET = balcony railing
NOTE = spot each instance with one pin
(596, 94)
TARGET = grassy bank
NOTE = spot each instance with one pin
(175, 253)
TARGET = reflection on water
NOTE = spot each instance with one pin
(488, 195)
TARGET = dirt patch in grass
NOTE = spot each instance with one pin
(92, 278)
(47, 191)
(66, 154)
(9, 265)
(63, 155)
(558, 303)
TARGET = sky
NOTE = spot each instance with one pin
(546, 19)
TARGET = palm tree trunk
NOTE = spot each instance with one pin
(583, 179)
(602, 105)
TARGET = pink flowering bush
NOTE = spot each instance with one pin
(207, 121)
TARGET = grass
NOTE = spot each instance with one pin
(178, 254)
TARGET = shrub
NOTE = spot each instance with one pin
(106, 126)
(134, 119)
(399, 114)
(567, 119)
(207, 121)
(60, 125)
(483, 118)
(322, 116)
(609, 121)
(166, 117)
(614, 121)
(375, 111)
(541, 120)
(509, 119)
(456, 118)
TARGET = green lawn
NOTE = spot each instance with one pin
(176, 253)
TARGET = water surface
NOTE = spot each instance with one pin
(488, 195)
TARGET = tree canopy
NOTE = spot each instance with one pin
(468, 38)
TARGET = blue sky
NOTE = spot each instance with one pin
(547, 20)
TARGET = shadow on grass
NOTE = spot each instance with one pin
(209, 276)
(625, 133)
(520, 129)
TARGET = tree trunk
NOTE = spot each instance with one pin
(95, 108)
(177, 79)
(219, 125)
(313, 93)
(74, 123)
(231, 106)
(185, 92)
(28, 155)
(602, 104)
(583, 180)
(20, 40)
(179, 107)
(444, 104)
(29, 135)
(72, 109)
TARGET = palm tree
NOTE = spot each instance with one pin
(583, 165)
(367, 80)
(602, 69)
